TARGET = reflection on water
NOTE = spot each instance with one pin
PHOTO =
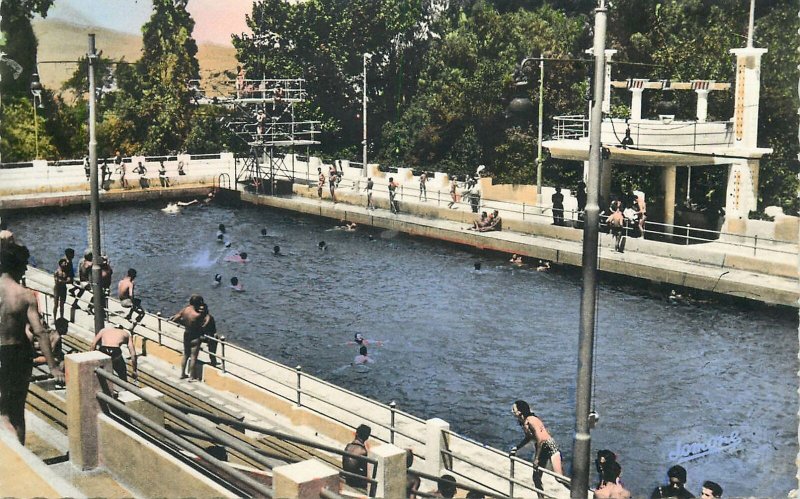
(462, 345)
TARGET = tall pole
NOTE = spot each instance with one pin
(97, 288)
(364, 172)
(539, 159)
(35, 128)
(582, 444)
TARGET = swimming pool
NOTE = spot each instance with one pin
(463, 345)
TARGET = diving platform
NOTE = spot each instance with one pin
(269, 91)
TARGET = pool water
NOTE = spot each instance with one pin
(462, 345)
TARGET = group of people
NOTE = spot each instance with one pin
(334, 177)
(121, 169)
(488, 223)
(199, 326)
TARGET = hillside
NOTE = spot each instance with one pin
(61, 41)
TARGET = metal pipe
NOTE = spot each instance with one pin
(212, 432)
(539, 159)
(583, 393)
(392, 407)
(94, 211)
(364, 117)
(182, 442)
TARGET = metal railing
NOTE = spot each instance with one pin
(513, 461)
(571, 127)
(108, 401)
(462, 486)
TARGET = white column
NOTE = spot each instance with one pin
(741, 191)
(636, 103)
(435, 443)
(668, 175)
(82, 406)
(748, 90)
(391, 471)
(304, 480)
(702, 105)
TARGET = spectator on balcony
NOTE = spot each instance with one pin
(351, 463)
(558, 207)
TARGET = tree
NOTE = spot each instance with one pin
(165, 72)
(19, 43)
(18, 142)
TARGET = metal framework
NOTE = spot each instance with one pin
(269, 126)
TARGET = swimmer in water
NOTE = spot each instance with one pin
(358, 339)
(171, 208)
(264, 232)
(371, 237)
(516, 259)
(322, 245)
(544, 266)
(221, 233)
(478, 265)
(237, 257)
(217, 281)
(236, 285)
(362, 357)
(276, 251)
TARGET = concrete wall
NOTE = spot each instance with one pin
(146, 468)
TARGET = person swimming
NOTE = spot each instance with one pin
(358, 338)
(264, 232)
(221, 233)
(516, 259)
(544, 266)
(478, 265)
(236, 285)
(171, 208)
(362, 357)
(237, 257)
(370, 237)
(276, 251)
(217, 280)
(322, 245)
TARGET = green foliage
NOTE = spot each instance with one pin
(18, 132)
(208, 134)
(20, 43)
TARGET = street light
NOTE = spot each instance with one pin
(366, 57)
(36, 90)
(523, 103)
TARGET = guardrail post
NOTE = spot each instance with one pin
(511, 455)
(401, 192)
(392, 470)
(299, 370)
(438, 198)
(755, 244)
(82, 406)
(435, 443)
(304, 480)
(523, 211)
(222, 344)
(688, 226)
(158, 316)
(392, 408)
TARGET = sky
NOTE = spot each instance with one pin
(214, 20)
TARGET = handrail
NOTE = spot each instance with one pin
(463, 486)
(186, 444)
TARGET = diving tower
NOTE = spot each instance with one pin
(266, 121)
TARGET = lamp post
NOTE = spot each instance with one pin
(582, 442)
(525, 103)
(364, 172)
(36, 91)
(97, 288)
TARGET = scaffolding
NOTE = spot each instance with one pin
(267, 123)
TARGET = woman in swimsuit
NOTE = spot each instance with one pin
(547, 451)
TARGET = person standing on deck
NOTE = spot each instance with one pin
(546, 452)
(320, 182)
(111, 340)
(354, 465)
(191, 317)
(18, 308)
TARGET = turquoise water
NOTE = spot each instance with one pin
(463, 345)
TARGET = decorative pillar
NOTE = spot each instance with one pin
(82, 406)
(748, 89)
(304, 480)
(636, 87)
(741, 189)
(668, 190)
(701, 88)
(392, 471)
(435, 443)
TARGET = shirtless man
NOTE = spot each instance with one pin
(546, 451)
(18, 308)
(191, 317)
(355, 465)
(127, 297)
(615, 221)
(320, 182)
(111, 340)
(6, 236)
(62, 279)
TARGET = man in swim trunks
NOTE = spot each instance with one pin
(370, 186)
(320, 182)
(111, 340)
(127, 297)
(353, 464)
(546, 448)
(191, 317)
(61, 278)
(18, 309)
(615, 221)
